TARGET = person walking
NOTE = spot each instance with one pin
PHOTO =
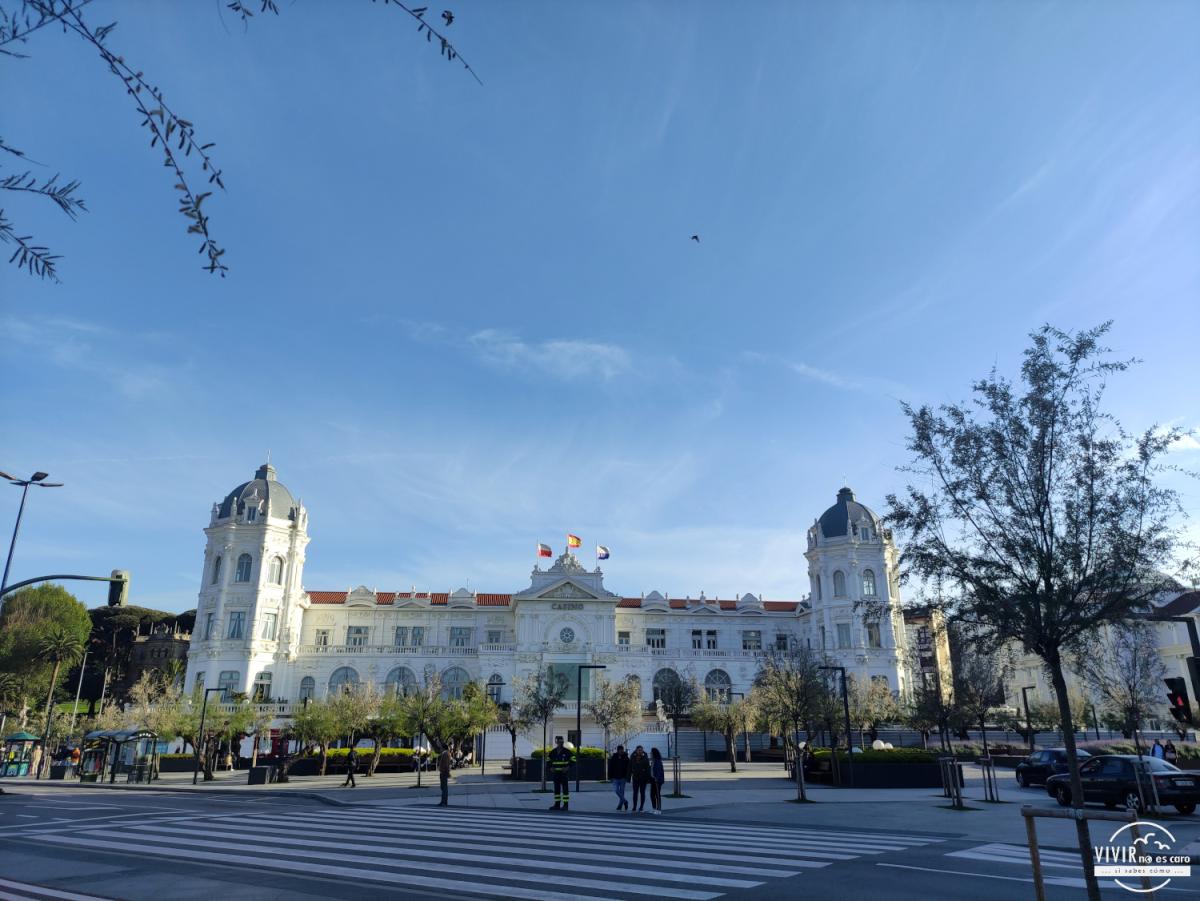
(561, 759)
(351, 768)
(1170, 755)
(657, 778)
(640, 772)
(444, 764)
(1157, 750)
(618, 772)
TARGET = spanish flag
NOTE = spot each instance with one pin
(573, 540)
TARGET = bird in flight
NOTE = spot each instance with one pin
(696, 238)
(448, 17)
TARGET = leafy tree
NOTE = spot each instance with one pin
(182, 151)
(387, 724)
(27, 617)
(423, 707)
(872, 704)
(539, 696)
(1043, 715)
(111, 647)
(793, 693)
(1121, 667)
(979, 681)
(518, 721)
(726, 717)
(1037, 514)
(616, 706)
(316, 725)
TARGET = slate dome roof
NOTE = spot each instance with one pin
(835, 522)
(278, 501)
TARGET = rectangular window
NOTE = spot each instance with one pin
(356, 636)
(270, 623)
(228, 681)
(237, 624)
(322, 638)
(418, 636)
(262, 688)
(752, 640)
(710, 639)
(208, 624)
(460, 636)
(401, 638)
(873, 636)
(198, 684)
(823, 645)
(495, 636)
(623, 639)
(843, 635)
(697, 639)
(656, 638)
(251, 514)
(781, 641)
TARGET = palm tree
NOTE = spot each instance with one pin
(10, 695)
(58, 646)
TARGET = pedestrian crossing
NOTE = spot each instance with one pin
(497, 852)
(1062, 868)
(29, 891)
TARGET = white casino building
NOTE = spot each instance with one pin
(260, 631)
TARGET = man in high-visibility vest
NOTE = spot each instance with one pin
(561, 759)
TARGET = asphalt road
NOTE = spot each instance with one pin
(125, 845)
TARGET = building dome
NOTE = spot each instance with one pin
(835, 522)
(274, 498)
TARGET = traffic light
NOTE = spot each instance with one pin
(118, 588)
(1177, 697)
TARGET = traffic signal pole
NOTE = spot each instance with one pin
(1193, 663)
(118, 585)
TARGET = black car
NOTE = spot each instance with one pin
(1041, 765)
(1111, 780)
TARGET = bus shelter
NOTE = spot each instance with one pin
(18, 753)
(113, 752)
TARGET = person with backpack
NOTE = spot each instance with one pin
(641, 774)
(351, 768)
(657, 778)
(618, 772)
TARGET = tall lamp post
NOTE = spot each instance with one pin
(745, 734)
(846, 712)
(36, 479)
(579, 711)
(495, 697)
(200, 737)
(1028, 720)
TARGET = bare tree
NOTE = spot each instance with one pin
(1121, 666)
(539, 696)
(793, 694)
(616, 706)
(1037, 514)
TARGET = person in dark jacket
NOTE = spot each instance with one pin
(618, 772)
(657, 778)
(351, 767)
(640, 773)
(560, 760)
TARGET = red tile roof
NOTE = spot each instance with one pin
(728, 605)
(439, 599)
(493, 600)
(629, 602)
(327, 597)
(784, 606)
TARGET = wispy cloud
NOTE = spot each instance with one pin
(562, 358)
(864, 383)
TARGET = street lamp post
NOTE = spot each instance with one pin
(579, 711)
(35, 479)
(483, 744)
(846, 712)
(745, 734)
(1028, 720)
(79, 687)
(200, 737)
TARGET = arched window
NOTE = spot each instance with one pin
(216, 576)
(344, 681)
(494, 684)
(868, 582)
(666, 686)
(243, 569)
(400, 681)
(839, 584)
(718, 686)
(454, 680)
(817, 587)
(308, 687)
(276, 572)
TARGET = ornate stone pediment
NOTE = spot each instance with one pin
(362, 596)
(569, 589)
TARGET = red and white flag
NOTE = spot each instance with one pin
(544, 550)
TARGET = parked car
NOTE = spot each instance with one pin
(1041, 765)
(1110, 779)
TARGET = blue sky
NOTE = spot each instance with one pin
(465, 319)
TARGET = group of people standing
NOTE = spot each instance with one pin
(642, 770)
(1165, 752)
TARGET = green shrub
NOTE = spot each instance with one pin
(1188, 750)
(896, 755)
(176, 756)
(387, 755)
(580, 753)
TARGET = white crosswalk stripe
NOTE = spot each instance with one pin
(29, 891)
(1053, 862)
(497, 852)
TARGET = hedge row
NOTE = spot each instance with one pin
(386, 755)
(1187, 750)
(579, 752)
(896, 755)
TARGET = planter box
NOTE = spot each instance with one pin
(176, 764)
(1007, 761)
(883, 775)
(590, 768)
